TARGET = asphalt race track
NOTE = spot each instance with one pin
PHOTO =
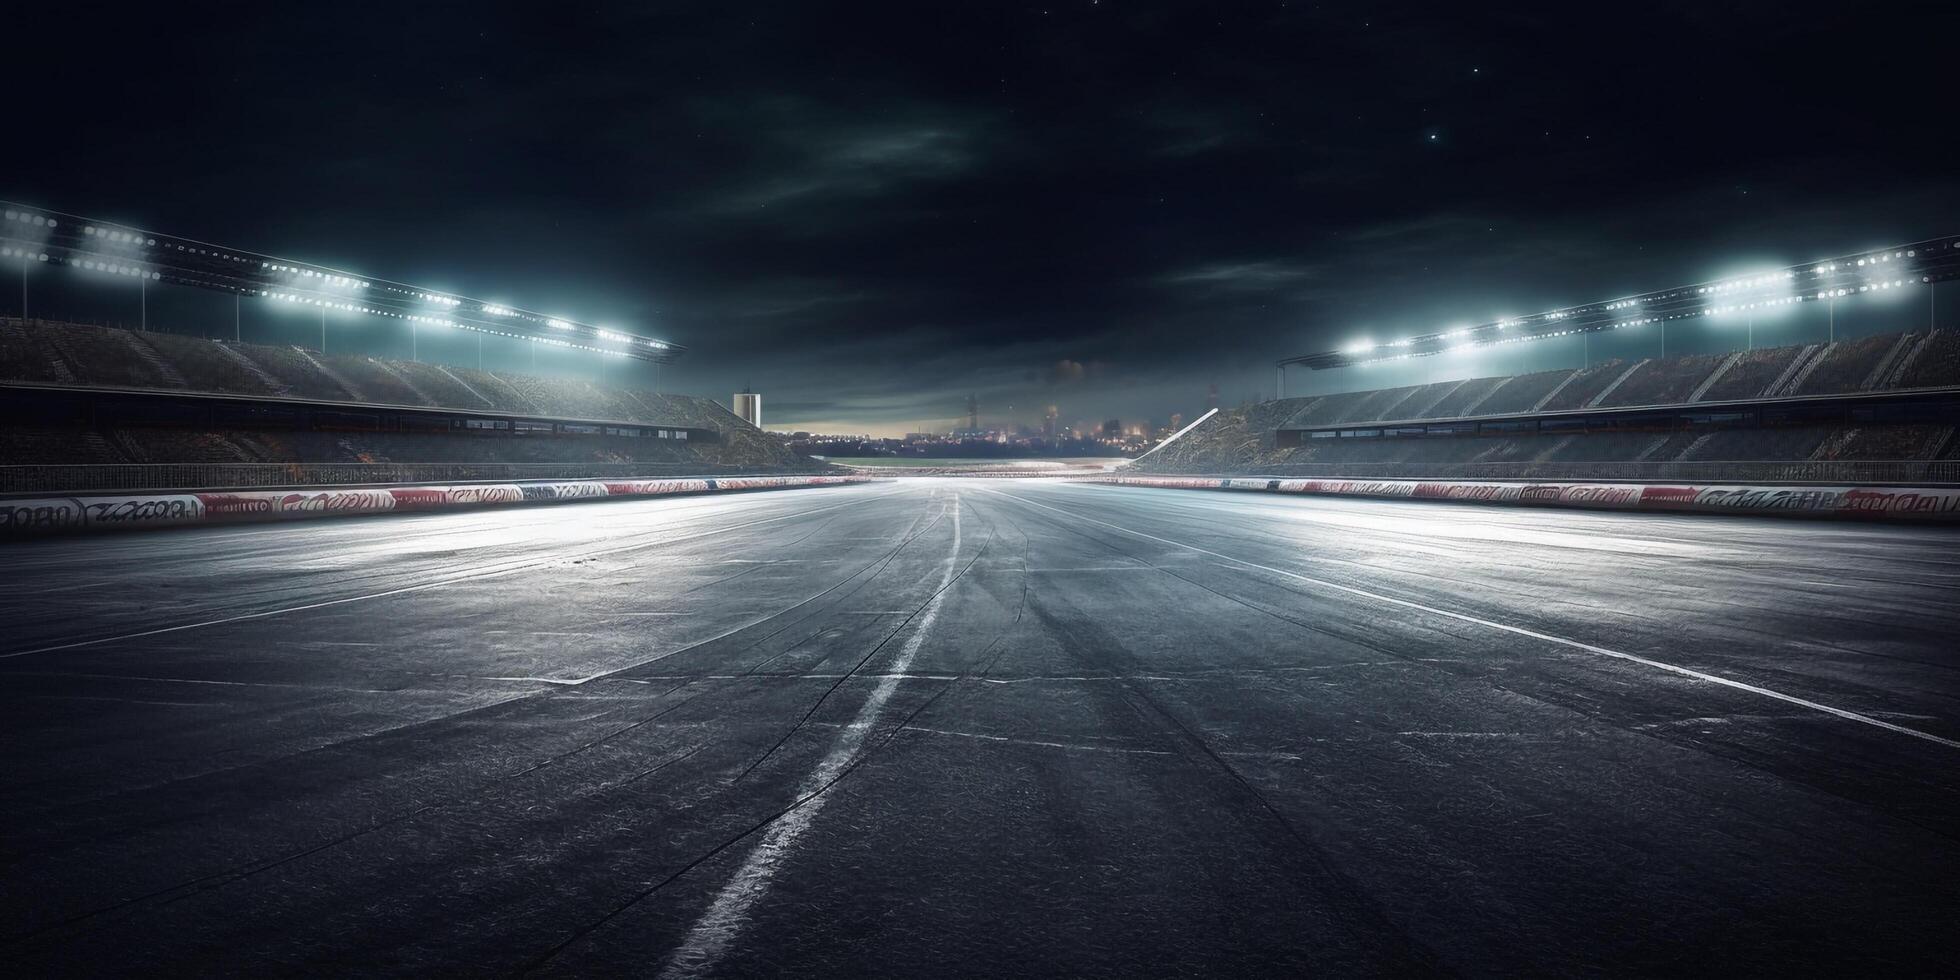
(958, 727)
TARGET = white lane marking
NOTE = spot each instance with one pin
(487, 571)
(1037, 743)
(723, 920)
(1520, 631)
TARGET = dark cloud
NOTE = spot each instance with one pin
(871, 211)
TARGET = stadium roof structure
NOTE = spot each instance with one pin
(37, 235)
(1877, 271)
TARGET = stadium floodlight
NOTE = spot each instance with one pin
(86, 243)
(1359, 348)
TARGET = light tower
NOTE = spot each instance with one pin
(748, 406)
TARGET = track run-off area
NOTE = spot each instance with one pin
(971, 727)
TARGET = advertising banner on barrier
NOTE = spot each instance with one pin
(1364, 488)
(46, 514)
(420, 498)
(180, 508)
(1170, 482)
(576, 490)
(1485, 492)
(1900, 503)
(644, 488)
(1600, 495)
(290, 503)
(491, 493)
(758, 482)
(1907, 503)
(31, 515)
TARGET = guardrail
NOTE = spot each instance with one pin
(91, 478)
(1811, 500)
(1866, 472)
(51, 513)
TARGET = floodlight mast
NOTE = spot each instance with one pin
(41, 236)
(1877, 271)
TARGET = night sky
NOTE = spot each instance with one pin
(869, 211)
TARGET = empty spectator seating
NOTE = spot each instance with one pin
(1374, 406)
(1228, 444)
(1678, 446)
(376, 381)
(562, 398)
(1521, 393)
(1663, 381)
(1844, 367)
(752, 450)
(207, 366)
(171, 445)
(1669, 449)
(51, 444)
(1328, 409)
(98, 356)
(500, 393)
(1599, 447)
(441, 387)
(23, 358)
(1269, 416)
(1938, 363)
(1751, 375)
(1884, 442)
(1458, 401)
(1758, 444)
(1586, 384)
(63, 353)
(298, 372)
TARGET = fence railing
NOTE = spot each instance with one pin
(93, 478)
(109, 477)
(1696, 471)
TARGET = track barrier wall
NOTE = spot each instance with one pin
(25, 516)
(1871, 503)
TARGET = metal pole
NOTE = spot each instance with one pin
(234, 318)
(143, 291)
(479, 352)
(414, 352)
(1752, 334)
(23, 291)
(323, 330)
(1831, 307)
(1279, 381)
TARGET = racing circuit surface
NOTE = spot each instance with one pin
(964, 727)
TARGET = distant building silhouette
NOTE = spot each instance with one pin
(748, 407)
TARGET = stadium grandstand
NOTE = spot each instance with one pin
(190, 395)
(1861, 401)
